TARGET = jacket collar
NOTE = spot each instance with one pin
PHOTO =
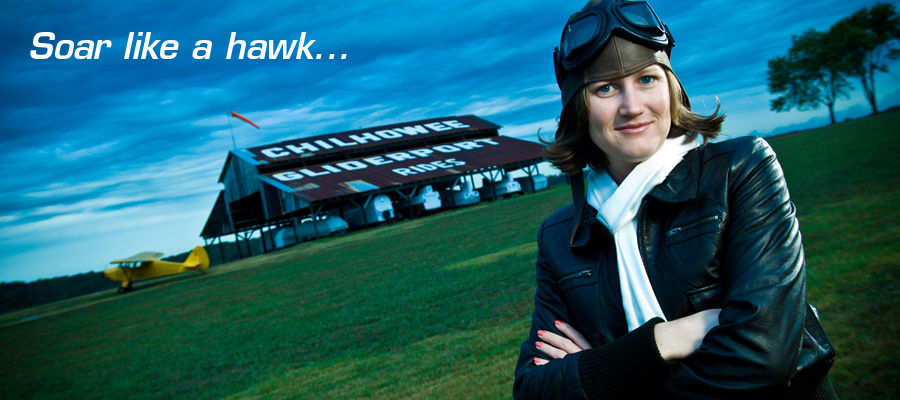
(680, 185)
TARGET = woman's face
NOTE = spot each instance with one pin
(630, 116)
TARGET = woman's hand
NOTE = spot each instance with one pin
(557, 346)
(679, 338)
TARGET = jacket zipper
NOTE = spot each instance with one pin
(677, 230)
(578, 274)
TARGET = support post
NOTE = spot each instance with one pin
(409, 202)
(237, 242)
(314, 222)
(493, 187)
(531, 176)
(249, 245)
(363, 209)
(221, 250)
(452, 194)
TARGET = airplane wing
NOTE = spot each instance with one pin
(139, 257)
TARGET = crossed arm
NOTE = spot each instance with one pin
(674, 340)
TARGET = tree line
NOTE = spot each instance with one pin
(20, 295)
(819, 66)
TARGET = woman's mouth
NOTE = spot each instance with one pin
(632, 128)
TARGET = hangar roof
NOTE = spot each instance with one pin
(331, 181)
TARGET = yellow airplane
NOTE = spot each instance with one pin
(147, 265)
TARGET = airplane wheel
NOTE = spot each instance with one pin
(121, 290)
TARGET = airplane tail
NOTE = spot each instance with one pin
(198, 259)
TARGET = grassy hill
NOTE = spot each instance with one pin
(437, 307)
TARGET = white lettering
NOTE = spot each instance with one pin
(231, 44)
(331, 168)
(137, 47)
(323, 144)
(488, 141)
(89, 50)
(299, 150)
(84, 51)
(49, 47)
(149, 49)
(312, 174)
(274, 152)
(304, 50)
(287, 176)
(377, 160)
(206, 48)
(421, 152)
(128, 45)
(261, 51)
(403, 171)
(352, 165)
(442, 164)
(60, 45)
(340, 143)
(427, 167)
(456, 124)
(411, 130)
(446, 148)
(438, 127)
(467, 145)
(100, 44)
(365, 138)
(168, 45)
(400, 156)
(388, 134)
(283, 48)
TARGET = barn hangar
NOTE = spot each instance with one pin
(316, 186)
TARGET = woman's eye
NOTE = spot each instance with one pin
(647, 79)
(605, 88)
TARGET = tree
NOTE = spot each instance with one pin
(814, 73)
(871, 37)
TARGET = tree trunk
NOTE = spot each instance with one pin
(831, 112)
(869, 89)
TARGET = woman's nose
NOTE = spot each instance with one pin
(631, 103)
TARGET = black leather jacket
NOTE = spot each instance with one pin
(720, 232)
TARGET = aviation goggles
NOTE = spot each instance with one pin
(588, 31)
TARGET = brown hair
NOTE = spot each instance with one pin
(573, 148)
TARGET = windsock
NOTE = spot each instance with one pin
(239, 116)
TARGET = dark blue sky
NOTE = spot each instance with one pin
(109, 157)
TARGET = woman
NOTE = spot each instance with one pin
(684, 275)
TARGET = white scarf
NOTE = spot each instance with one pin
(617, 208)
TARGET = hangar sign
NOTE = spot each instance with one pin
(379, 136)
(324, 181)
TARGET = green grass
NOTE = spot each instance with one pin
(844, 180)
(436, 307)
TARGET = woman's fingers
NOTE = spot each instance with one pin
(550, 349)
(558, 342)
(573, 335)
(540, 361)
(557, 346)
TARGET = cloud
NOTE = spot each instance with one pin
(81, 153)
